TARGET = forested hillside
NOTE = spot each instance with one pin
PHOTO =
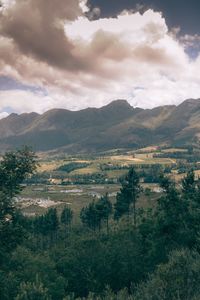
(116, 251)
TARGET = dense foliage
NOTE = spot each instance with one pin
(119, 252)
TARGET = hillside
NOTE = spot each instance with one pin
(116, 125)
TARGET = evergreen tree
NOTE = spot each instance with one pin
(189, 185)
(90, 216)
(171, 216)
(96, 212)
(128, 195)
(51, 220)
(66, 219)
(66, 216)
(104, 209)
(191, 194)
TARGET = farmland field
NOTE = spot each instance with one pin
(35, 200)
(77, 180)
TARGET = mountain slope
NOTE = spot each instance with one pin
(16, 124)
(117, 125)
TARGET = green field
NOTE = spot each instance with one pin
(35, 200)
(93, 176)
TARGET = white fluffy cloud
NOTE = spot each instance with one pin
(83, 62)
(25, 101)
(3, 115)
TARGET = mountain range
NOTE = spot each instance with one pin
(116, 125)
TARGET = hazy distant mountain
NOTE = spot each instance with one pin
(117, 125)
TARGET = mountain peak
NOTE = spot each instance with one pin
(119, 103)
(190, 102)
(115, 125)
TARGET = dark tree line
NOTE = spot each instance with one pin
(97, 212)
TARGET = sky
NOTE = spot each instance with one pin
(75, 54)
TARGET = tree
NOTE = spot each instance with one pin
(177, 279)
(189, 185)
(32, 291)
(90, 216)
(15, 167)
(96, 212)
(51, 223)
(128, 195)
(171, 217)
(66, 216)
(104, 209)
(47, 225)
(191, 195)
(152, 174)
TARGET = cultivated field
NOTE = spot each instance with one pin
(77, 180)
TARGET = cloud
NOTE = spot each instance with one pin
(25, 101)
(3, 115)
(81, 61)
(94, 13)
(39, 33)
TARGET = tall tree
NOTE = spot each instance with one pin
(104, 210)
(90, 216)
(128, 195)
(171, 216)
(189, 185)
(66, 216)
(51, 220)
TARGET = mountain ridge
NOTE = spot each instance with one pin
(116, 125)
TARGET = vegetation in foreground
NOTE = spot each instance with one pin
(119, 251)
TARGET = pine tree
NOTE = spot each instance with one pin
(128, 195)
(171, 215)
(50, 224)
(189, 185)
(51, 220)
(104, 209)
(90, 216)
(66, 216)
(66, 219)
